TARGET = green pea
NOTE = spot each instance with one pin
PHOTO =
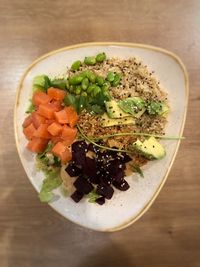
(96, 90)
(101, 57)
(85, 84)
(75, 80)
(84, 94)
(90, 60)
(78, 90)
(116, 80)
(100, 80)
(67, 84)
(90, 88)
(76, 65)
(110, 76)
(91, 76)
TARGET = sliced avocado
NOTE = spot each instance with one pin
(133, 105)
(150, 148)
(165, 109)
(114, 111)
(157, 108)
(107, 122)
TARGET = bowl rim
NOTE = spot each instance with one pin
(119, 44)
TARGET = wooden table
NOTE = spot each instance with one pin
(32, 234)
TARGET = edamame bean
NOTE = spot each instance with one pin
(85, 84)
(90, 60)
(116, 80)
(101, 57)
(75, 80)
(105, 90)
(91, 76)
(90, 88)
(76, 65)
(100, 80)
(84, 94)
(78, 90)
(106, 86)
(110, 76)
(106, 93)
(96, 90)
(82, 74)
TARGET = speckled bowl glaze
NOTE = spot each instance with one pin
(125, 207)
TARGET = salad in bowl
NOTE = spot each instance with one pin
(92, 127)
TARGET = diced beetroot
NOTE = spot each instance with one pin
(77, 196)
(93, 148)
(114, 167)
(100, 200)
(72, 170)
(119, 176)
(79, 150)
(82, 185)
(79, 158)
(125, 158)
(121, 185)
(106, 169)
(105, 191)
(79, 146)
(105, 179)
(94, 179)
(90, 168)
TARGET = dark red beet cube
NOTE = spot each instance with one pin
(72, 170)
(94, 179)
(89, 167)
(79, 158)
(105, 191)
(83, 186)
(79, 146)
(93, 148)
(100, 200)
(105, 179)
(119, 175)
(121, 185)
(77, 196)
(125, 158)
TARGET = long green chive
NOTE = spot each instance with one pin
(103, 147)
(139, 134)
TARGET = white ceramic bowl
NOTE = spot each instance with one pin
(125, 207)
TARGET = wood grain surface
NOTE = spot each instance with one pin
(32, 234)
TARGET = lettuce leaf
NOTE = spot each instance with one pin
(51, 182)
(92, 196)
(41, 83)
(31, 108)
